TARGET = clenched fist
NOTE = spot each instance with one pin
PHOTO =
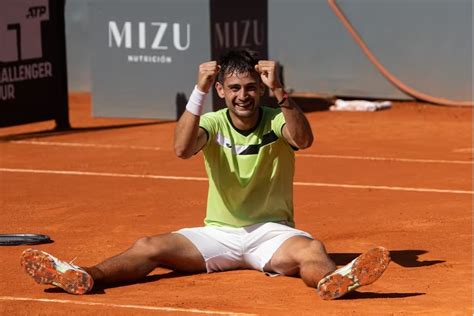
(207, 75)
(269, 73)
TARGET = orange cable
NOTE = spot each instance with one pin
(394, 80)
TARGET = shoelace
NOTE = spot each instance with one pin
(71, 262)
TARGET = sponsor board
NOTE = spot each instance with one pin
(146, 56)
(33, 81)
(238, 25)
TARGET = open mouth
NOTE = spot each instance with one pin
(243, 106)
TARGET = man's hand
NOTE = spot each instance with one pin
(207, 75)
(269, 73)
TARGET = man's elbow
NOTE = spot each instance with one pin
(182, 153)
(305, 143)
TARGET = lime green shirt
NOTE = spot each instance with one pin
(250, 173)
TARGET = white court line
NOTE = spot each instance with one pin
(150, 176)
(464, 150)
(143, 307)
(388, 159)
(381, 187)
(67, 144)
(34, 142)
(103, 174)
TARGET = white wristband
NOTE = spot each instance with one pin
(196, 101)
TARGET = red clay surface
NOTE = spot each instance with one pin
(92, 217)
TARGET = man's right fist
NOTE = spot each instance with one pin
(207, 75)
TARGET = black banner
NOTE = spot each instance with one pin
(239, 24)
(33, 76)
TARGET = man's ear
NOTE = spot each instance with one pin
(220, 90)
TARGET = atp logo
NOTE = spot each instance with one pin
(20, 29)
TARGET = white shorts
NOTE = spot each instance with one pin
(250, 247)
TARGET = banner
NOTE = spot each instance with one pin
(146, 55)
(238, 25)
(33, 79)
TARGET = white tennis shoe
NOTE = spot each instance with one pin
(363, 270)
(46, 269)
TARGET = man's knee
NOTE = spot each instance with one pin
(294, 253)
(149, 246)
(314, 252)
(316, 247)
(173, 251)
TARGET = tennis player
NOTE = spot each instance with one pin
(249, 153)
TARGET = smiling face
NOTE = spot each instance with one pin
(242, 92)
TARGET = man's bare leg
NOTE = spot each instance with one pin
(172, 251)
(304, 257)
(309, 259)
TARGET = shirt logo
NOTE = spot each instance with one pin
(246, 149)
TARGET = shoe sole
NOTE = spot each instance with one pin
(367, 268)
(40, 266)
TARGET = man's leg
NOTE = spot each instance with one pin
(308, 258)
(173, 251)
(304, 257)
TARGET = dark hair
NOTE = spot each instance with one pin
(237, 61)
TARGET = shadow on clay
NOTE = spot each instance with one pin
(404, 258)
(73, 130)
(100, 289)
(371, 295)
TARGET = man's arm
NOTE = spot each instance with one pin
(297, 130)
(188, 137)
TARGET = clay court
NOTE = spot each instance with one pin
(400, 178)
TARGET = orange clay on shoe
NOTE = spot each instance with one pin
(364, 270)
(46, 269)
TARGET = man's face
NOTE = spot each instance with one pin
(242, 93)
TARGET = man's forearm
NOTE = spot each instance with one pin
(297, 125)
(185, 135)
